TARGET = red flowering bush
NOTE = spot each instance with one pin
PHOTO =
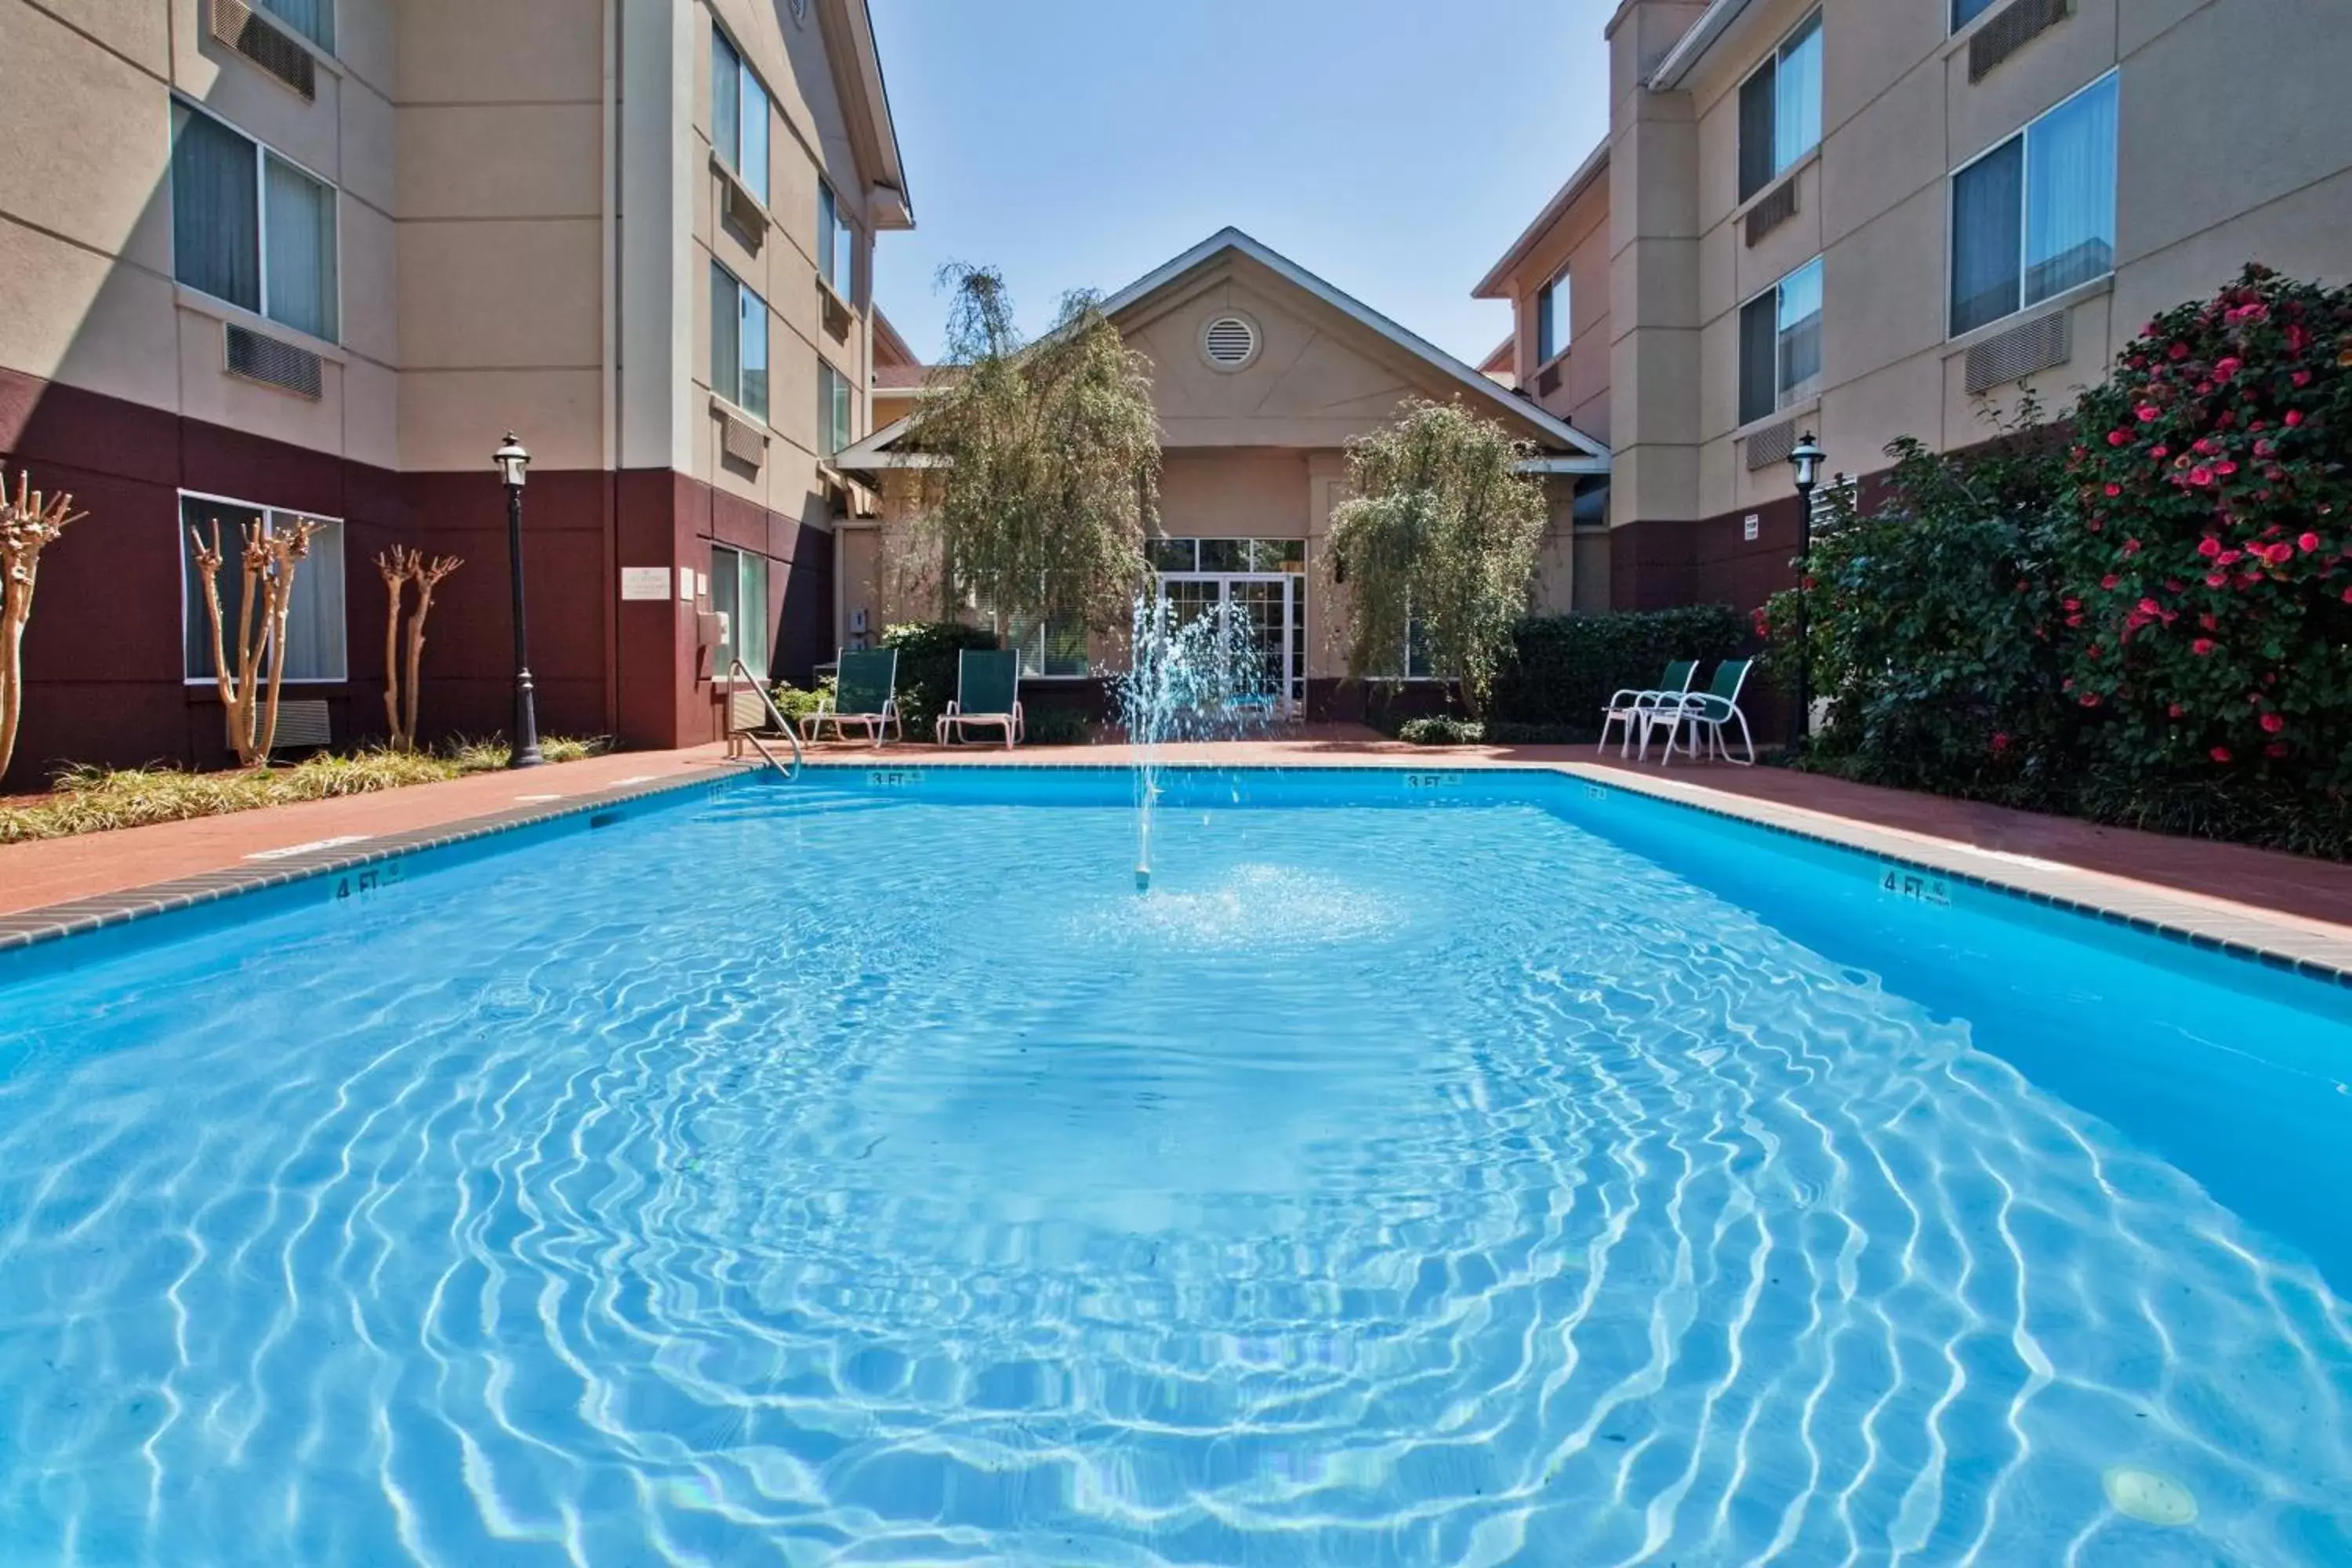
(2210, 543)
(2150, 624)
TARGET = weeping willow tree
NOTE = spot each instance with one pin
(1039, 464)
(1437, 545)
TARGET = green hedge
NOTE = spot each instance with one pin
(1566, 667)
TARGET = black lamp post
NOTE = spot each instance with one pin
(513, 464)
(1806, 457)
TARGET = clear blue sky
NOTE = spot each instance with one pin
(1395, 147)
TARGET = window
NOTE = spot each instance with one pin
(315, 643)
(1967, 11)
(249, 227)
(1780, 344)
(1781, 109)
(738, 592)
(1047, 647)
(1231, 555)
(739, 343)
(314, 19)
(738, 116)
(1551, 320)
(837, 245)
(2036, 215)
(833, 410)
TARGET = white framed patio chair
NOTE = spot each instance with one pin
(864, 695)
(1629, 710)
(1708, 716)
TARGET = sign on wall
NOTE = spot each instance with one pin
(645, 583)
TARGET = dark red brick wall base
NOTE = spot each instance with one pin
(103, 651)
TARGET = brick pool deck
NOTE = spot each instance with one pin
(2289, 910)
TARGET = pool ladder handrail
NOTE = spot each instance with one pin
(738, 671)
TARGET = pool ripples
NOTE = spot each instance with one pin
(1494, 1197)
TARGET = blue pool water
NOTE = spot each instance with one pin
(1430, 1170)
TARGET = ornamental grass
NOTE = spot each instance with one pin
(87, 799)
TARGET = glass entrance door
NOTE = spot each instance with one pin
(1265, 606)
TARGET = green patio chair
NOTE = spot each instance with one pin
(1709, 714)
(865, 696)
(1630, 707)
(988, 694)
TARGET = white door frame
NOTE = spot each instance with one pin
(1294, 616)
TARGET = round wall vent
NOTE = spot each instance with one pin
(1229, 343)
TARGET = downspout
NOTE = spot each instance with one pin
(609, 235)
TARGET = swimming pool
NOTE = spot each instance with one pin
(1433, 1168)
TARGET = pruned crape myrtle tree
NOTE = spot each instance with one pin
(248, 687)
(29, 523)
(1437, 542)
(401, 568)
(1037, 465)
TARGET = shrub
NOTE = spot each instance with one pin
(1056, 727)
(1927, 623)
(1564, 668)
(2210, 574)
(2147, 621)
(797, 705)
(1442, 730)
(926, 667)
(89, 799)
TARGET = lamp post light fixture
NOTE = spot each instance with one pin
(513, 465)
(1806, 459)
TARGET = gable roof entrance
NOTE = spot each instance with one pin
(1562, 449)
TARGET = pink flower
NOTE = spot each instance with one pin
(2200, 475)
(2308, 542)
(2118, 439)
(2131, 546)
(2160, 453)
(2347, 596)
(2178, 351)
(2302, 378)
(2089, 699)
(2148, 413)
(2217, 579)
(2273, 723)
(2209, 548)
(2150, 607)
(2276, 749)
(2109, 582)
(2201, 647)
(2293, 417)
(2223, 369)
(2220, 753)
(2175, 710)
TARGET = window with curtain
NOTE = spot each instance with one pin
(2036, 215)
(739, 115)
(833, 410)
(314, 19)
(1967, 11)
(837, 245)
(738, 592)
(1551, 320)
(249, 227)
(739, 343)
(316, 646)
(1781, 109)
(1780, 344)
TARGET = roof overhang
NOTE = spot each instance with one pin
(874, 452)
(857, 62)
(1707, 32)
(1495, 285)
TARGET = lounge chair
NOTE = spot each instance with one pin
(988, 689)
(1630, 707)
(1709, 713)
(864, 695)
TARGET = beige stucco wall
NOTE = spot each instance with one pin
(1577, 243)
(1259, 452)
(526, 209)
(2251, 175)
